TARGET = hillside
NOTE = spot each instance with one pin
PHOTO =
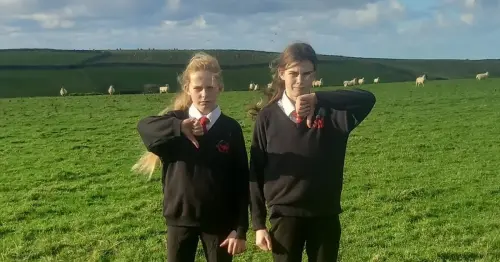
(41, 72)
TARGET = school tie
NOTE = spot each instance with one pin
(204, 121)
(295, 116)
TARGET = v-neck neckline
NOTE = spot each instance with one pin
(283, 114)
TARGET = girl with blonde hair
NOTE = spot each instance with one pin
(204, 167)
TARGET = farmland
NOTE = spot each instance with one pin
(421, 179)
(42, 72)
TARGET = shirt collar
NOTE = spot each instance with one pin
(288, 106)
(212, 116)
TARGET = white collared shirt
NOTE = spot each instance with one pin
(212, 116)
(287, 106)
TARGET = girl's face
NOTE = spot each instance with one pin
(203, 90)
(298, 78)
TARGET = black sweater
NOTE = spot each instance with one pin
(298, 170)
(205, 187)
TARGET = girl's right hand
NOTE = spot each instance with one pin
(190, 127)
(263, 240)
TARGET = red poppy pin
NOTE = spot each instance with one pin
(319, 121)
(223, 146)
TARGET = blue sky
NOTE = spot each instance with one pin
(363, 28)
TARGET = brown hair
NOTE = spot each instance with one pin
(293, 53)
(182, 101)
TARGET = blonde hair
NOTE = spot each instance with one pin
(295, 52)
(200, 61)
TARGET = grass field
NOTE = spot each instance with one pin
(42, 72)
(422, 179)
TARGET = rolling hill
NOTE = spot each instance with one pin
(41, 72)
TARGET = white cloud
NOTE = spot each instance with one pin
(370, 14)
(467, 18)
(470, 3)
(200, 22)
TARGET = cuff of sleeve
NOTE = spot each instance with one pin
(241, 233)
(258, 225)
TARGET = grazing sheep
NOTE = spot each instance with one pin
(63, 91)
(251, 86)
(482, 76)
(111, 90)
(361, 81)
(164, 89)
(376, 80)
(318, 83)
(420, 80)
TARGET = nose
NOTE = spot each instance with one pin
(299, 79)
(203, 92)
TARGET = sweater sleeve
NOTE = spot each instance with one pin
(157, 132)
(241, 170)
(258, 161)
(350, 107)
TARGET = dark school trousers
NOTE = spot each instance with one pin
(182, 243)
(320, 235)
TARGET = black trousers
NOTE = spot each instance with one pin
(321, 237)
(182, 243)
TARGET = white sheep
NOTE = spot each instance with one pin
(482, 76)
(63, 91)
(164, 89)
(361, 81)
(111, 90)
(318, 83)
(420, 80)
(255, 87)
(251, 86)
(269, 85)
(376, 80)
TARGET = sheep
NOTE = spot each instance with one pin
(255, 87)
(164, 89)
(420, 80)
(346, 83)
(251, 86)
(318, 83)
(375, 81)
(269, 85)
(63, 91)
(481, 76)
(361, 81)
(111, 90)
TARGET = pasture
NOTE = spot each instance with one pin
(422, 179)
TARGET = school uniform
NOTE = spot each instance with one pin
(205, 189)
(298, 172)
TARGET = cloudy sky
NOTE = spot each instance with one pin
(364, 28)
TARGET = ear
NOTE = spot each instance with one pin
(185, 88)
(281, 74)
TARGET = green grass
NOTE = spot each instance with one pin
(421, 179)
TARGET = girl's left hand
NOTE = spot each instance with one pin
(234, 245)
(305, 105)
